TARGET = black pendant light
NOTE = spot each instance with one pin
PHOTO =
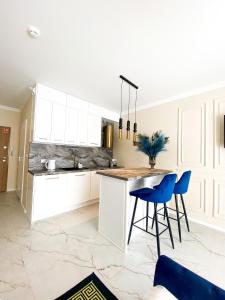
(128, 114)
(131, 84)
(121, 108)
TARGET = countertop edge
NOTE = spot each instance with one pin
(60, 171)
(135, 177)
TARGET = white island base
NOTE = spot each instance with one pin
(116, 207)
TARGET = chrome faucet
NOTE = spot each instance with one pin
(75, 161)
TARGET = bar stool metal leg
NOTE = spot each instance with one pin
(178, 217)
(132, 220)
(153, 220)
(147, 209)
(157, 228)
(185, 213)
(164, 215)
(168, 222)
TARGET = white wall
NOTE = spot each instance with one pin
(195, 128)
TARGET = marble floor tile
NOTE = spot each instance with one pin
(42, 261)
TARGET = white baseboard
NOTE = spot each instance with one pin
(203, 223)
(207, 224)
(11, 190)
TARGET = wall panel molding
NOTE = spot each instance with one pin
(218, 134)
(219, 196)
(196, 199)
(186, 130)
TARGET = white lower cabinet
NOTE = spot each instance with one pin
(49, 195)
(78, 188)
(95, 185)
(55, 194)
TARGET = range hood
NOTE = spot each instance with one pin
(108, 136)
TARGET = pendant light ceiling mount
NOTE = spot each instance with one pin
(130, 84)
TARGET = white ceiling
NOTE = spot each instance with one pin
(166, 47)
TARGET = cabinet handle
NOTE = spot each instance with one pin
(57, 140)
(40, 138)
(80, 174)
(70, 141)
(51, 178)
(94, 143)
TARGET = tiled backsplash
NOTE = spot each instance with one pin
(90, 157)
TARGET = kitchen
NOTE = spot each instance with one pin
(58, 169)
(112, 152)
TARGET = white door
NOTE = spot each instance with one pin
(71, 131)
(94, 130)
(58, 123)
(95, 185)
(21, 160)
(43, 120)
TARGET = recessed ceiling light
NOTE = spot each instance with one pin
(33, 32)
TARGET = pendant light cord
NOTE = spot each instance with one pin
(135, 107)
(121, 98)
(129, 105)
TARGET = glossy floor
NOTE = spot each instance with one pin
(44, 261)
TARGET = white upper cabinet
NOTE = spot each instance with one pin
(49, 115)
(83, 123)
(71, 130)
(94, 126)
(58, 123)
(50, 94)
(42, 120)
(64, 119)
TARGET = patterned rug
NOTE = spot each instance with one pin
(89, 288)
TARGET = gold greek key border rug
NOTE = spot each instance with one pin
(89, 288)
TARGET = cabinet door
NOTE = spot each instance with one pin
(71, 130)
(83, 127)
(49, 195)
(79, 187)
(43, 120)
(58, 123)
(95, 185)
(94, 130)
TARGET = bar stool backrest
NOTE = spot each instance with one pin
(181, 187)
(163, 192)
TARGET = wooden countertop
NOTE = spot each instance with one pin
(133, 173)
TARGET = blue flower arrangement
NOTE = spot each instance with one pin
(153, 145)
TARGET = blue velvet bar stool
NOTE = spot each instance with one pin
(180, 188)
(160, 195)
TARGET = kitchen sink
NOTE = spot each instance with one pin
(73, 169)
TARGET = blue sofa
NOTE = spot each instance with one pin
(183, 283)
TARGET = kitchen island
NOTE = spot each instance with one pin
(116, 205)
